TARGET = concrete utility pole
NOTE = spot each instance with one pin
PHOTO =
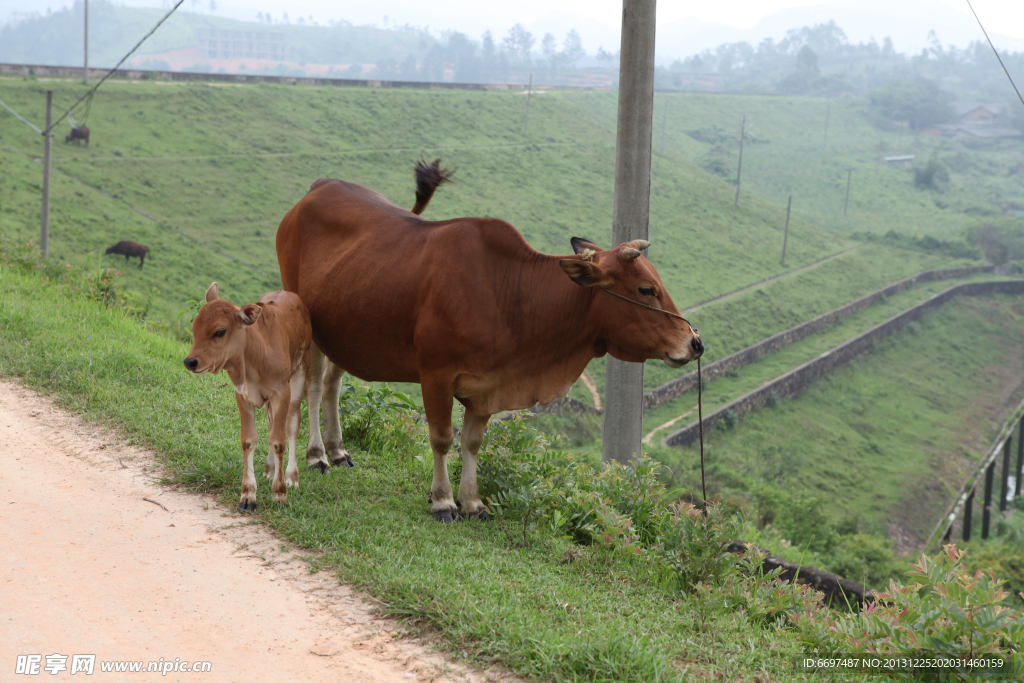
(785, 235)
(849, 177)
(44, 232)
(624, 382)
(85, 70)
(739, 167)
(529, 91)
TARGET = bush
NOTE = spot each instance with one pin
(1001, 241)
(376, 419)
(947, 611)
(933, 175)
(693, 544)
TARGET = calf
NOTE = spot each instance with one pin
(76, 134)
(264, 348)
(127, 249)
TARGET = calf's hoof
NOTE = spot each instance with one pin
(247, 505)
(319, 466)
(446, 516)
(481, 516)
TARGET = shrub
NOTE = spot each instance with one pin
(762, 597)
(376, 419)
(933, 175)
(947, 611)
(693, 544)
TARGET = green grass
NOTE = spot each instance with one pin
(892, 436)
(599, 618)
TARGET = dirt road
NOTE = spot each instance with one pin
(88, 566)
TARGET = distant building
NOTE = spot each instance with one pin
(975, 120)
(902, 160)
(221, 44)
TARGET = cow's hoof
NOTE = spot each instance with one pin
(480, 516)
(247, 505)
(446, 516)
(281, 503)
(343, 461)
(319, 466)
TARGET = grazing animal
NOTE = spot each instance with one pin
(76, 134)
(129, 249)
(466, 308)
(264, 349)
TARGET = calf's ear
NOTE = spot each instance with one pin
(249, 313)
(211, 293)
(585, 273)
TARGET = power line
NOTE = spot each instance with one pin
(93, 90)
(996, 52)
(22, 118)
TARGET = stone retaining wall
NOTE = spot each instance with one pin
(795, 381)
(688, 382)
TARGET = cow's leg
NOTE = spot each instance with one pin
(142, 259)
(250, 437)
(278, 442)
(437, 403)
(334, 444)
(473, 428)
(315, 458)
(298, 388)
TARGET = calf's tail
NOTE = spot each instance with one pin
(428, 177)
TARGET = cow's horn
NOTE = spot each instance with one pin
(629, 254)
(640, 244)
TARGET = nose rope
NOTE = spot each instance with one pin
(700, 387)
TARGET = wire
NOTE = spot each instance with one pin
(111, 72)
(996, 52)
(22, 118)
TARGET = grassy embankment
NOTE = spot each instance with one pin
(600, 617)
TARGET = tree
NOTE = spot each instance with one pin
(518, 43)
(549, 50)
(920, 102)
(807, 59)
(572, 49)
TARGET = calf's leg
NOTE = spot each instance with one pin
(279, 404)
(473, 427)
(437, 404)
(334, 444)
(315, 455)
(297, 384)
(250, 437)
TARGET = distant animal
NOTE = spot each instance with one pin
(129, 249)
(264, 349)
(76, 134)
(466, 308)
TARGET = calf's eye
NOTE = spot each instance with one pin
(219, 333)
(647, 291)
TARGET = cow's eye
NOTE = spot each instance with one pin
(647, 291)
(219, 333)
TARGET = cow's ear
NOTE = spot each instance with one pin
(249, 313)
(584, 273)
(211, 293)
(581, 243)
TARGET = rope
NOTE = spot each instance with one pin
(110, 73)
(996, 52)
(700, 423)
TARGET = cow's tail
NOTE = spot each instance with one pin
(428, 177)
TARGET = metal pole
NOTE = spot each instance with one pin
(664, 120)
(1004, 490)
(529, 92)
(785, 235)
(849, 177)
(85, 70)
(828, 110)
(44, 233)
(968, 513)
(739, 168)
(986, 511)
(1020, 460)
(624, 382)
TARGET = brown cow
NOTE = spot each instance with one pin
(76, 134)
(126, 248)
(264, 348)
(466, 308)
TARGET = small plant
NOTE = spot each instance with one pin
(762, 597)
(946, 612)
(694, 542)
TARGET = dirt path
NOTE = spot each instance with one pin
(87, 566)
